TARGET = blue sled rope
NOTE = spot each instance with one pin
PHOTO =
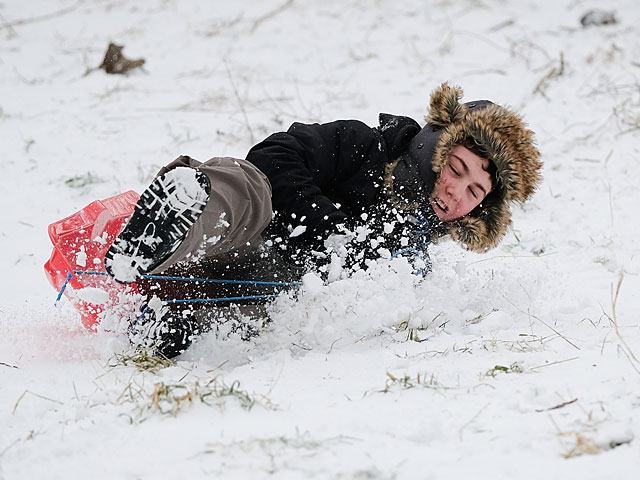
(193, 279)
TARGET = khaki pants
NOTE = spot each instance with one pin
(238, 210)
(223, 244)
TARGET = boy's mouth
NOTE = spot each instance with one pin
(435, 201)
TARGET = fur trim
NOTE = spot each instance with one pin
(445, 107)
(508, 143)
(389, 192)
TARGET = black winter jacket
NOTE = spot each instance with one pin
(327, 175)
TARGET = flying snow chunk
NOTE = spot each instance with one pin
(312, 283)
(299, 230)
(96, 296)
(81, 257)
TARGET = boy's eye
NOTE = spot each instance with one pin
(454, 171)
(473, 193)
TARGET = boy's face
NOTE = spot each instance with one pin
(462, 185)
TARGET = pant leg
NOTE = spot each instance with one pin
(238, 210)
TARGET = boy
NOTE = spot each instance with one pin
(302, 193)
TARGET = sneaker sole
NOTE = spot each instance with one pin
(160, 222)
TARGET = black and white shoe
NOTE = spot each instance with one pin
(160, 222)
(165, 331)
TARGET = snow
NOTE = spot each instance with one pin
(93, 295)
(519, 363)
(297, 231)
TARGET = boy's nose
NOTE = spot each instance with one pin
(454, 191)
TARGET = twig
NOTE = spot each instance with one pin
(7, 365)
(333, 343)
(556, 332)
(545, 324)
(40, 18)
(6, 449)
(240, 102)
(556, 407)
(631, 362)
(496, 45)
(472, 419)
(512, 256)
(553, 73)
(36, 395)
(270, 14)
(218, 367)
(500, 26)
(554, 363)
(613, 319)
(12, 32)
(591, 160)
(486, 71)
(75, 391)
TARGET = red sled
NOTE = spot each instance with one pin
(80, 242)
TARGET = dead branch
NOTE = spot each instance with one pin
(628, 358)
(240, 102)
(555, 72)
(500, 26)
(545, 324)
(40, 18)
(554, 363)
(7, 25)
(471, 420)
(270, 14)
(556, 407)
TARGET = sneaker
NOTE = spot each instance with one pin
(160, 222)
(168, 333)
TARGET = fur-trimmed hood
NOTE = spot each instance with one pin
(509, 144)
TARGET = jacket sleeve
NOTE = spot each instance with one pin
(311, 166)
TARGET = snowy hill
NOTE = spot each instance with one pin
(523, 362)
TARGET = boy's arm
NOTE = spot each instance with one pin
(308, 163)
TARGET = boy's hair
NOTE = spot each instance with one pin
(470, 144)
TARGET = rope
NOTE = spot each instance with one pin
(221, 299)
(211, 300)
(191, 279)
(196, 279)
(64, 286)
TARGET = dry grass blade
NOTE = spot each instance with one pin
(613, 319)
(557, 407)
(545, 324)
(172, 398)
(513, 368)
(406, 382)
(143, 360)
(15, 407)
(554, 363)
(555, 72)
(583, 445)
(40, 18)
(169, 399)
(270, 14)
(243, 110)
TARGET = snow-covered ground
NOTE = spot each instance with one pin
(520, 363)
